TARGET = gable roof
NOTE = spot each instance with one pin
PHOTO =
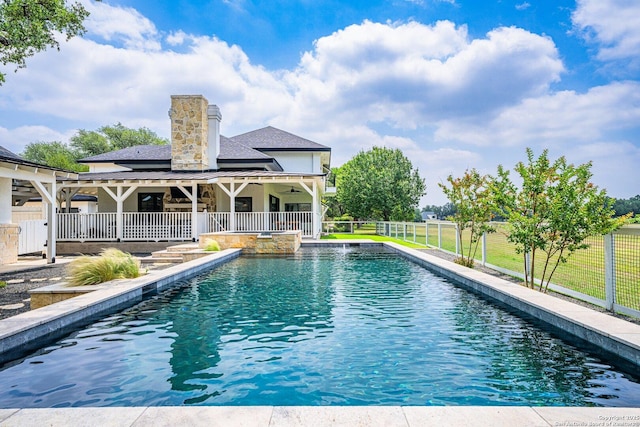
(229, 150)
(136, 153)
(273, 139)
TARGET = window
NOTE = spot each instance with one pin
(150, 202)
(244, 204)
(297, 207)
(274, 204)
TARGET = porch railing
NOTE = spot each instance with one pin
(86, 226)
(156, 226)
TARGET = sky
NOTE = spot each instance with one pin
(454, 84)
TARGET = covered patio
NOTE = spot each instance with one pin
(141, 206)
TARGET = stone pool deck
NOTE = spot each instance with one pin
(613, 334)
(312, 416)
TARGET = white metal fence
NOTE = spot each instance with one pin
(607, 274)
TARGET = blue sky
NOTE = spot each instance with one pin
(455, 84)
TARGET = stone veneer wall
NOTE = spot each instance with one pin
(8, 243)
(189, 133)
(287, 242)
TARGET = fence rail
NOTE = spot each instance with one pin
(607, 274)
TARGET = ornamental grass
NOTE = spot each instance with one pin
(110, 265)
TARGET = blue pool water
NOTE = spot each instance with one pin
(327, 326)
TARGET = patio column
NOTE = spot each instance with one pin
(232, 193)
(5, 200)
(194, 212)
(119, 197)
(48, 193)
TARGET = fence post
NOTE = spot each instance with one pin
(426, 234)
(484, 249)
(414, 232)
(457, 240)
(439, 235)
(610, 271)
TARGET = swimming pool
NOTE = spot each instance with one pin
(326, 326)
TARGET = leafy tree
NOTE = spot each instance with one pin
(31, 26)
(110, 138)
(627, 206)
(89, 143)
(380, 184)
(554, 212)
(333, 205)
(473, 201)
(54, 154)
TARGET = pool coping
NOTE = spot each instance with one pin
(611, 334)
(25, 331)
(615, 335)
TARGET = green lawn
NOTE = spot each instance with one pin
(374, 237)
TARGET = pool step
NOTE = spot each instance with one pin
(176, 254)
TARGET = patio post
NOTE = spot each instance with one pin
(194, 212)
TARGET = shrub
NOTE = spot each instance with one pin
(3, 284)
(111, 264)
(211, 245)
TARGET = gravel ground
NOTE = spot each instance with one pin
(14, 298)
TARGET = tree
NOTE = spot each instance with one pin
(627, 206)
(473, 200)
(334, 207)
(380, 184)
(31, 26)
(54, 154)
(110, 138)
(89, 143)
(555, 211)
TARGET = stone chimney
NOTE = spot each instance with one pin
(214, 117)
(189, 133)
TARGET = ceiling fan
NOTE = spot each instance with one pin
(292, 191)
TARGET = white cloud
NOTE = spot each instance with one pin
(613, 24)
(408, 73)
(449, 101)
(523, 6)
(559, 119)
(16, 139)
(122, 25)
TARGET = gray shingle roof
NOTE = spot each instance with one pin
(170, 175)
(270, 138)
(229, 150)
(247, 146)
(139, 152)
(6, 154)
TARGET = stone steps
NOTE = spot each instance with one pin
(176, 254)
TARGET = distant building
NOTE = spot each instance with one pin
(429, 215)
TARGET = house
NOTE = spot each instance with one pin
(429, 215)
(264, 180)
(21, 180)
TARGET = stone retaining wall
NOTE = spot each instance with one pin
(286, 242)
(9, 243)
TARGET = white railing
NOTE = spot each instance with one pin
(257, 221)
(156, 226)
(86, 226)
